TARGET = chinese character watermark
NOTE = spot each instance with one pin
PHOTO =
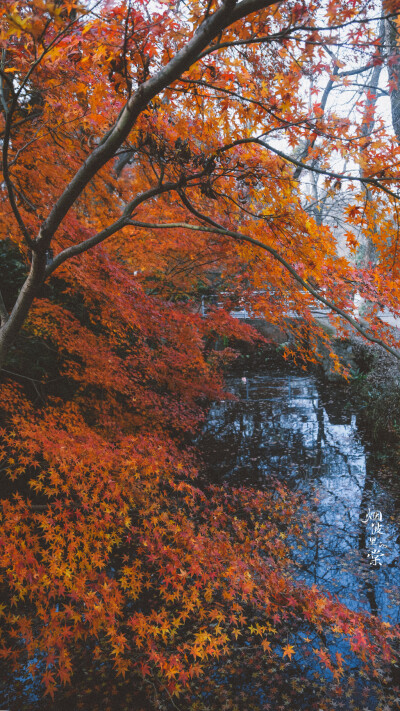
(374, 519)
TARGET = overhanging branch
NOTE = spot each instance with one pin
(238, 236)
(122, 221)
(328, 173)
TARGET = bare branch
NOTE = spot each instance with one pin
(48, 47)
(30, 117)
(310, 143)
(353, 72)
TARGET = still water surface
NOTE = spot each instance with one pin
(290, 427)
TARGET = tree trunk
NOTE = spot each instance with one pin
(393, 65)
(13, 324)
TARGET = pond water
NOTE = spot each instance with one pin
(292, 428)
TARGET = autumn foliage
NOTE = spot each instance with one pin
(142, 179)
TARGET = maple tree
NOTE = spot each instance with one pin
(140, 173)
(131, 79)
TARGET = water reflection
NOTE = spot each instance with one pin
(286, 427)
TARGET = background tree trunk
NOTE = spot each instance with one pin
(393, 65)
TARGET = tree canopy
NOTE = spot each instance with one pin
(155, 157)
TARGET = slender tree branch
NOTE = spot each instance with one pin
(19, 375)
(76, 249)
(252, 40)
(368, 121)
(330, 174)
(8, 113)
(297, 28)
(3, 93)
(353, 72)
(7, 179)
(310, 143)
(7, 134)
(48, 47)
(123, 221)
(284, 123)
(30, 117)
(238, 236)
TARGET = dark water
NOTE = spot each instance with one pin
(306, 435)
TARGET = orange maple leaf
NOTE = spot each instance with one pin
(266, 645)
(288, 651)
